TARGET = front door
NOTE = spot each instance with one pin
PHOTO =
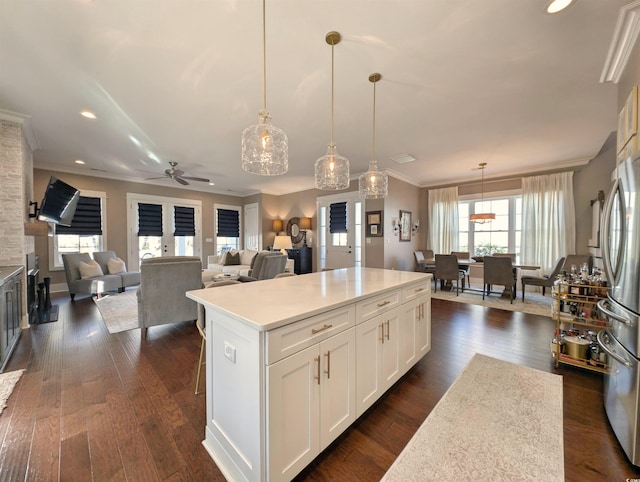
(340, 231)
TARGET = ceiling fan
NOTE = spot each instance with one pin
(177, 175)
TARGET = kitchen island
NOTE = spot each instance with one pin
(292, 362)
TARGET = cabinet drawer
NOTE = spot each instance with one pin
(415, 290)
(376, 305)
(292, 338)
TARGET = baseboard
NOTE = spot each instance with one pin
(59, 288)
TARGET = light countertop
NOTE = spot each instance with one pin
(268, 304)
(7, 272)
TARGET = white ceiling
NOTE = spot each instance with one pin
(464, 81)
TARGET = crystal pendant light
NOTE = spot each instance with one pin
(481, 218)
(332, 169)
(265, 147)
(374, 184)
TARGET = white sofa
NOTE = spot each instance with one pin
(217, 263)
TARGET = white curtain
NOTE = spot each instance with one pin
(548, 219)
(443, 220)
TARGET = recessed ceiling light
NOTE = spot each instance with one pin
(88, 114)
(79, 161)
(555, 6)
(212, 184)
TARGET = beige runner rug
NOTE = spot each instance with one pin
(119, 311)
(7, 384)
(498, 421)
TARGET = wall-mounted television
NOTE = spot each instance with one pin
(59, 203)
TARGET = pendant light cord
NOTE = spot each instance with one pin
(373, 142)
(332, 57)
(264, 57)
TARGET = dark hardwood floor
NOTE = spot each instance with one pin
(95, 406)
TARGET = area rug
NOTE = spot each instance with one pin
(534, 303)
(498, 421)
(7, 384)
(119, 311)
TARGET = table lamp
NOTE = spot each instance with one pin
(305, 223)
(282, 243)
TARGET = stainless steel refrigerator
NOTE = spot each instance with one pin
(620, 241)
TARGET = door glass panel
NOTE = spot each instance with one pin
(149, 247)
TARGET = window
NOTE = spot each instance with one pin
(338, 223)
(86, 233)
(502, 235)
(227, 229)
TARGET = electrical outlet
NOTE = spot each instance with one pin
(230, 351)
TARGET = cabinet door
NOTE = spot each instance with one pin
(337, 388)
(409, 334)
(423, 332)
(293, 413)
(390, 358)
(368, 351)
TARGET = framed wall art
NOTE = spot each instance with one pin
(374, 224)
(405, 225)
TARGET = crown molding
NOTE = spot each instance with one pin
(25, 122)
(624, 38)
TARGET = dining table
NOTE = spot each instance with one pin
(465, 262)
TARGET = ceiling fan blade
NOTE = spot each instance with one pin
(178, 172)
(153, 178)
(181, 181)
(201, 179)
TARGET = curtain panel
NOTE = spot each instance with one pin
(548, 219)
(443, 220)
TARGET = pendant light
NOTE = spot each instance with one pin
(481, 218)
(332, 169)
(265, 149)
(374, 184)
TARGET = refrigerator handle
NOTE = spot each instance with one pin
(605, 346)
(611, 314)
(604, 236)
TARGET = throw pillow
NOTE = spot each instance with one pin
(116, 265)
(253, 261)
(232, 259)
(89, 270)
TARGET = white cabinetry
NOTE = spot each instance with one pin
(378, 357)
(311, 402)
(284, 380)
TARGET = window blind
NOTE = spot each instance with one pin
(87, 219)
(149, 219)
(184, 222)
(228, 223)
(338, 218)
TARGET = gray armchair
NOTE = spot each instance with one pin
(163, 284)
(498, 270)
(545, 281)
(87, 286)
(129, 278)
(267, 265)
(447, 270)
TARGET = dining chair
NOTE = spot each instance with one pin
(447, 270)
(577, 260)
(498, 270)
(545, 281)
(421, 262)
(200, 324)
(512, 256)
(464, 255)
